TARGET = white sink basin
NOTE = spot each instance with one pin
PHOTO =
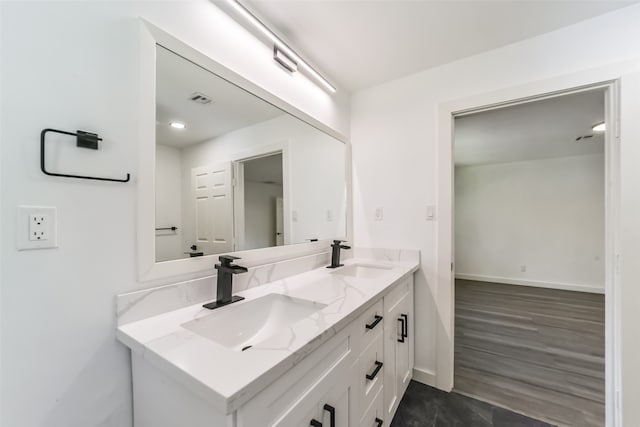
(239, 325)
(364, 271)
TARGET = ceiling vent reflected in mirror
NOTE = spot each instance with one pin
(200, 98)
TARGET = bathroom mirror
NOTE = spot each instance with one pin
(233, 172)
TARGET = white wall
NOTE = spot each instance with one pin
(73, 65)
(260, 214)
(168, 203)
(547, 215)
(317, 173)
(395, 132)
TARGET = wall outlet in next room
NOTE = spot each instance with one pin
(523, 269)
(37, 227)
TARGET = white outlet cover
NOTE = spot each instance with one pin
(24, 228)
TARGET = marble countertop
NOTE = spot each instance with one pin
(227, 378)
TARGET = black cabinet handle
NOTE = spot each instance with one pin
(405, 324)
(315, 423)
(373, 374)
(332, 414)
(401, 320)
(379, 421)
(376, 320)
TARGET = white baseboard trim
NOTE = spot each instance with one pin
(425, 377)
(534, 283)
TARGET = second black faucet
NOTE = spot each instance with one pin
(335, 253)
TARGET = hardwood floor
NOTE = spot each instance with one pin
(536, 351)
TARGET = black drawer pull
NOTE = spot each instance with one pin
(401, 320)
(315, 423)
(376, 320)
(332, 414)
(405, 331)
(379, 421)
(373, 374)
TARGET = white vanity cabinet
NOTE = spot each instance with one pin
(318, 386)
(354, 379)
(398, 345)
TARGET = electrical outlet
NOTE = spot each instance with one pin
(37, 228)
(378, 214)
(329, 215)
(523, 269)
(294, 216)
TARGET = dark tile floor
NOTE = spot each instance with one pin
(424, 406)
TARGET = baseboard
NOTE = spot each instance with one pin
(425, 377)
(534, 283)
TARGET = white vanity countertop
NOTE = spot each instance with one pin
(227, 378)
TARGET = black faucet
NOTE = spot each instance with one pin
(226, 270)
(335, 253)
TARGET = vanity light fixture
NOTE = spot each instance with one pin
(600, 127)
(284, 60)
(280, 45)
(177, 125)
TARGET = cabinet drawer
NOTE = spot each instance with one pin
(374, 415)
(295, 395)
(369, 325)
(370, 364)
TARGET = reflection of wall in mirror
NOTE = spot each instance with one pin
(168, 203)
(317, 173)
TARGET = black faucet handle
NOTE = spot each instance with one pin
(337, 242)
(226, 260)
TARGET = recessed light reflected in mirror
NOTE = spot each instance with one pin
(600, 127)
(177, 125)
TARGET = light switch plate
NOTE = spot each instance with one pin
(37, 228)
(378, 214)
(430, 212)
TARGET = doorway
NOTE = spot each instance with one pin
(259, 202)
(490, 262)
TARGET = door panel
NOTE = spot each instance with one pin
(211, 194)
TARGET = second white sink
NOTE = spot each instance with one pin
(240, 326)
(364, 271)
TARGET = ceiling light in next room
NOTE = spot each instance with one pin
(177, 125)
(600, 127)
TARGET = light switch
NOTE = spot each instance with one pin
(37, 228)
(430, 213)
(378, 214)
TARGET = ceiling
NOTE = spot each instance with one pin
(531, 131)
(231, 107)
(265, 170)
(362, 43)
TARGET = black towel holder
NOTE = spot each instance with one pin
(83, 140)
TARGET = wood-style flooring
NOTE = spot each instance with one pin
(535, 351)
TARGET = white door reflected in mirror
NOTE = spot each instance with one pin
(240, 173)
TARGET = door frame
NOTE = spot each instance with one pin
(237, 179)
(445, 286)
